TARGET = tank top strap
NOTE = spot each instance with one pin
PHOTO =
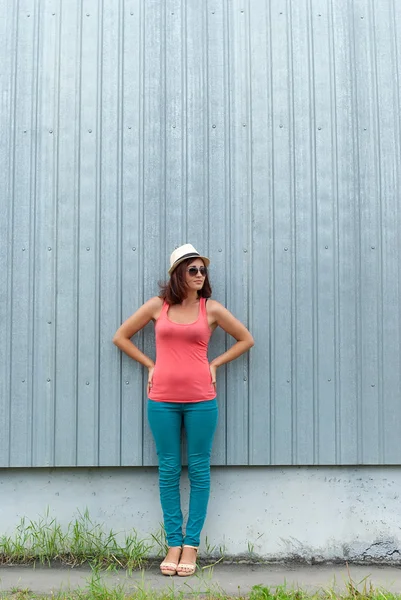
(203, 307)
(165, 308)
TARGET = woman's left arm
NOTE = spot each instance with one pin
(233, 327)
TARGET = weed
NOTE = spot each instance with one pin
(83, 542)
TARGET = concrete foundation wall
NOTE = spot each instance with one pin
(314, 514)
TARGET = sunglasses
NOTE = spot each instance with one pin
(193, 271)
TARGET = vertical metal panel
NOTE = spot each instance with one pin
(388, 98)
(369, 210)
(213, 185)
(265, 133)
(44, 186)
(22, 244)
(303, 376)
(282, 246)
(90, 145)
(260, 363)
(66, 317)
(112, 131)
(7, 86)
(239, 201)
(130, 288)
(324, 214)
(346, 234)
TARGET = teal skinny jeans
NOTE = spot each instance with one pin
(199, 420)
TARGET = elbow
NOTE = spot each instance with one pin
(251, 342)
(116, 340)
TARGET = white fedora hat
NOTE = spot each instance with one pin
(182, 253)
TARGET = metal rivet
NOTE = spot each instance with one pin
(172, 13)
(88, 14)
(220, 250)
(288, 381)
(319, 15)
(373, 385)
(48, 380)
(23, 249)
(365, 128)
(245, 378)
(87, 383)
(90, 130)
(212, 12)
(23, 380)
(127, 382)
(134, 248)
(329, 380)
(243, 124)
(49, 322)
(362, 17)
(131, 14)
(285, 249)
(53, 14)
(49, 249)
(373, 247)
(24, 130)
(173, 126)
(50, 130)
(281, 126)
(28, 15)
(326, 247)
(281, 13)
(245, 250)
(319, 128)
(242, 11)
(214, 126)
(129, 127)
(87, 248)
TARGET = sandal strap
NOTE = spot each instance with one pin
(186, 569)
(168, 565)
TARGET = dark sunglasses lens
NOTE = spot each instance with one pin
(193, 271)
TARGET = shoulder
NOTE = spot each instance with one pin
(155, 302)
(213, 307)
(152, 307)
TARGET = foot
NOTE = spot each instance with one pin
(170, 563)
(187, 564)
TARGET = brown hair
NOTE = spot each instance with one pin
(175, 289)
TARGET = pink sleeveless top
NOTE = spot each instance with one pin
(182, 368)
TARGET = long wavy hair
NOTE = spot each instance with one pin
(174, 291)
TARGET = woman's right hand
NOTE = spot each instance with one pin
(150, 378)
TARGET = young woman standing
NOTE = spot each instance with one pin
(182, 388)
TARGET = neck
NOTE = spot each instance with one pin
(191, 298)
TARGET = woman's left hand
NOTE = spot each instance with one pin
(213, 373)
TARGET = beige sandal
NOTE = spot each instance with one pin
(186, 569)
(169, 568)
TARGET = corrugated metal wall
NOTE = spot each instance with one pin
(267, 133)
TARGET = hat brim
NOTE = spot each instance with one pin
(186, 257)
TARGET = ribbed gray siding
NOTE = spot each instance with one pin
(266, 133)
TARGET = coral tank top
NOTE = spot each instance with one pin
(182, 367)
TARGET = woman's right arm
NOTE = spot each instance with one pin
(122, 338)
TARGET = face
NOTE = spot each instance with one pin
(194, 280)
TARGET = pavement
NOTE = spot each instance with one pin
(234, 579)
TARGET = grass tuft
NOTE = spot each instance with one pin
(84, 541)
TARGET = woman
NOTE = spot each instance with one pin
(182, 388)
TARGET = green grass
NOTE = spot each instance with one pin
(82, 542)
(96, 590)
(86, 542)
